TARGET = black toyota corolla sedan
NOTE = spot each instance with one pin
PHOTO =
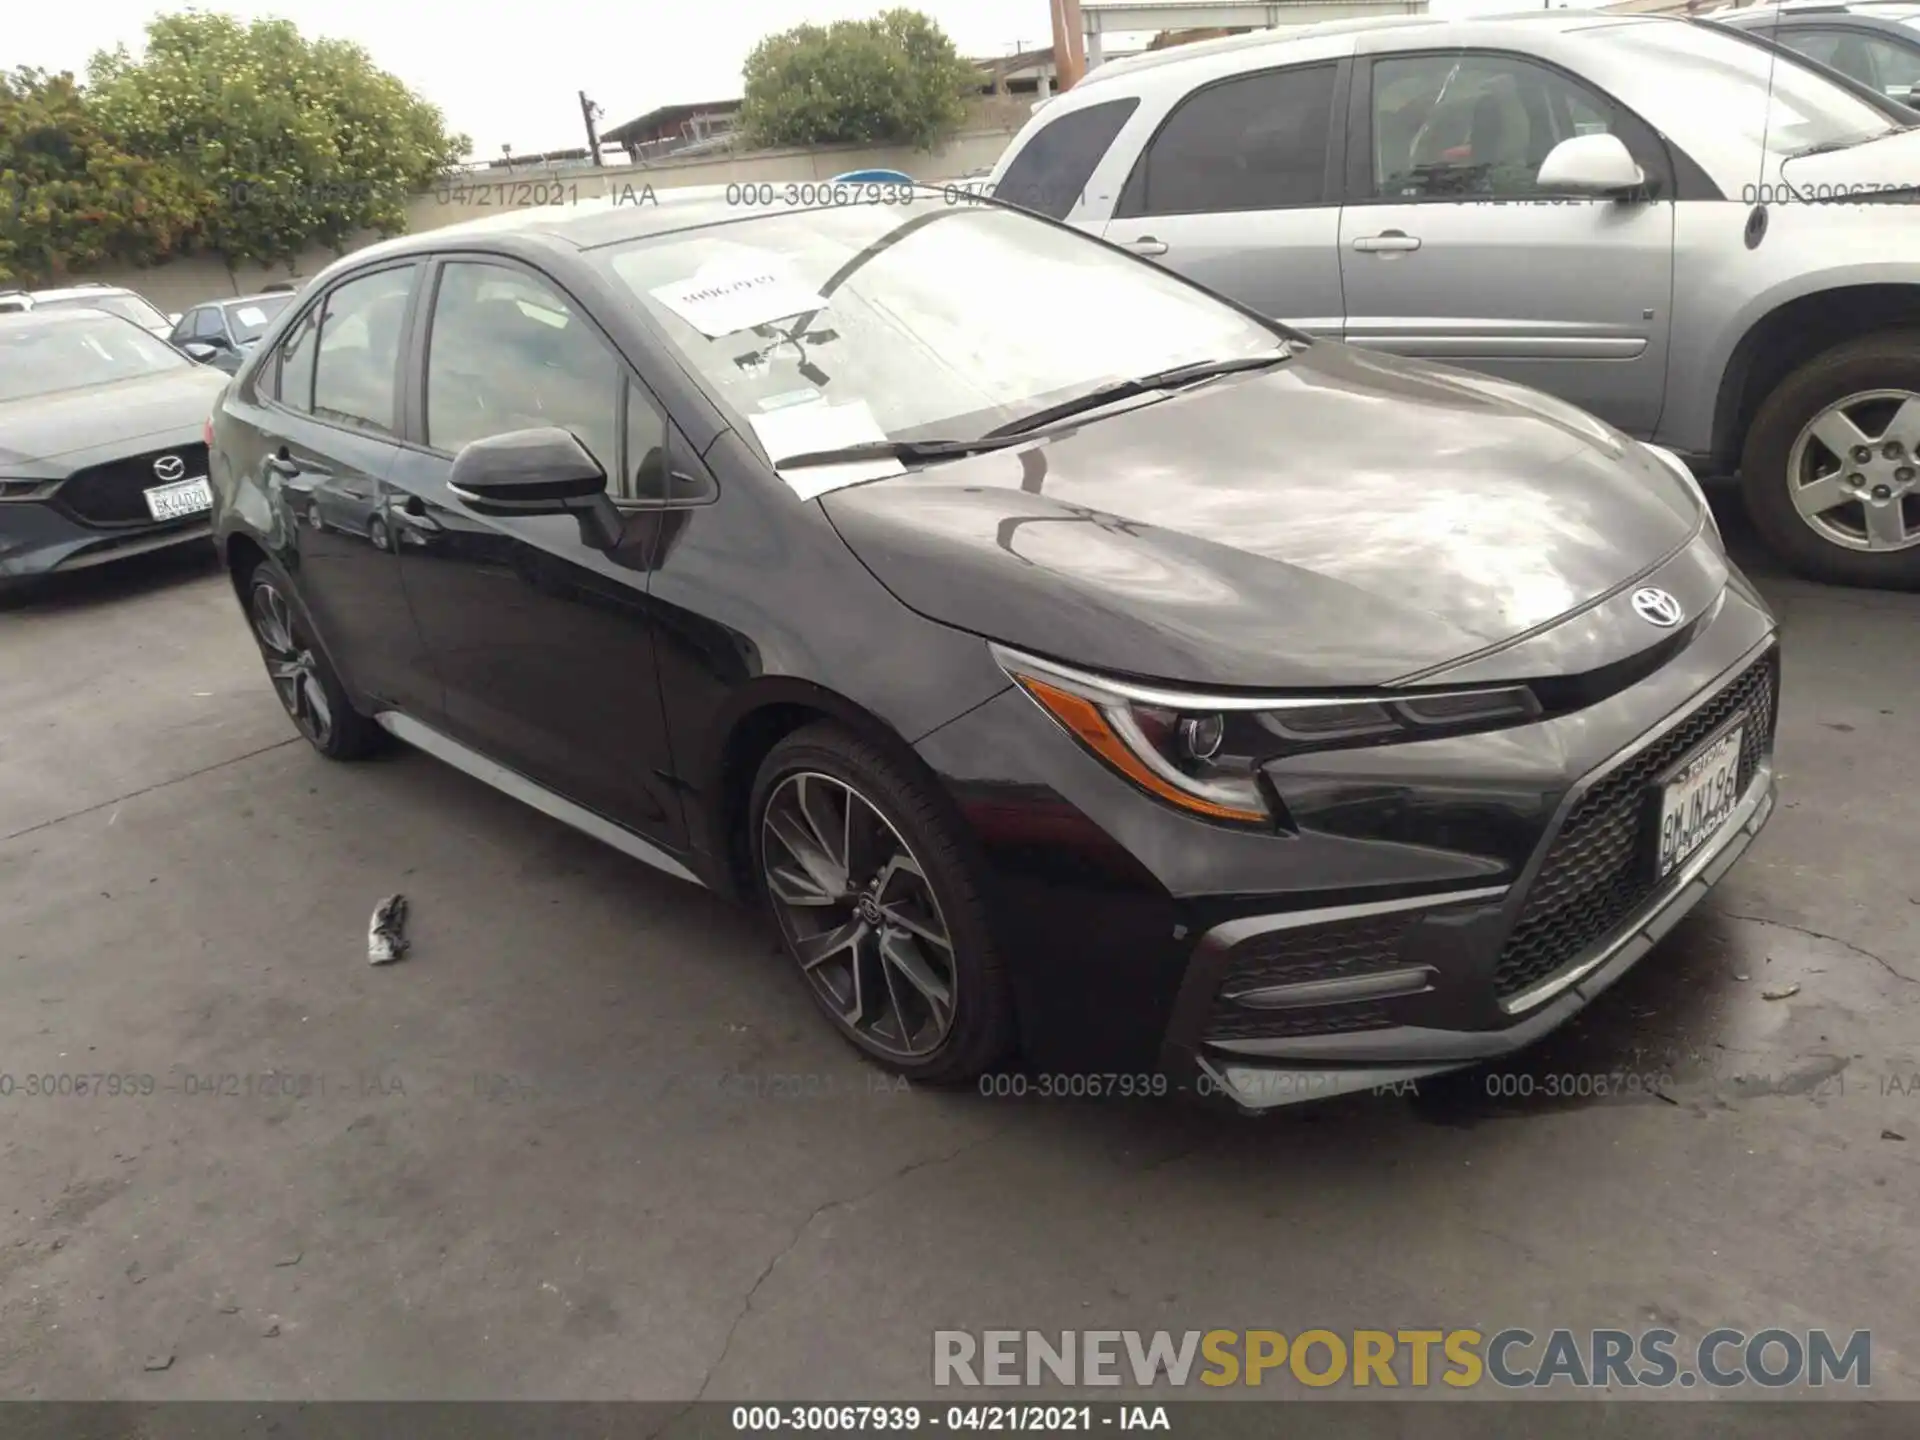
(1074, 664)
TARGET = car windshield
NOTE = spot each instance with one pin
(127, 307)
(921, 321)
(1731, 83)
(44, 359)
(249, 318)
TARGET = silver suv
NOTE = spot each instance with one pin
(1675, 227)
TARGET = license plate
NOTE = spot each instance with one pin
(183, 497)
(1697, 800)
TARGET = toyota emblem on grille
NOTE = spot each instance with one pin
(169, 467)
(1657, 607)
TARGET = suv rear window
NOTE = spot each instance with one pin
(1052, 169)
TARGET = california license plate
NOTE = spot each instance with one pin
(1698, 799)
(183, 497)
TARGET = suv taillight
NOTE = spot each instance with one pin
(206, 432)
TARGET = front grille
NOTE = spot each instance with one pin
(1596, 874)
(1291, 957)
(115, 493)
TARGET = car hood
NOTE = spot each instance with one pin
(1345, 518)
(1855, 173)
(38, 431)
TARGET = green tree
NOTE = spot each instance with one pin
(69, 198)
(292, 142)
(895, 79)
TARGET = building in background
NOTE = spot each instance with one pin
(683, 131)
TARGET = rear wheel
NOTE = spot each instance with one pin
(309, 691)
(1831, 466)
(878, 906)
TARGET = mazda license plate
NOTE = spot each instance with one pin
(183, 497)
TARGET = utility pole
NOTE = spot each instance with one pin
(1069, 45)
(591, 112)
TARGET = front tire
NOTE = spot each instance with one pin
(879, 907)
(1831, 465)
(309, 690)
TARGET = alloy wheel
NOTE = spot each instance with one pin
(858, 913)
(1854, 472)
(291, 664)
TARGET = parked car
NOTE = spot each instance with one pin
(221, 332)
(1624, 210)
(1876, 43)
(92, 295)
(103, 448)
(1155, 688)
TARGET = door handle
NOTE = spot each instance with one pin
(1147, 245)
(1388, 242)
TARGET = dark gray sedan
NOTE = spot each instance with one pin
(220, 333)
(102, 442)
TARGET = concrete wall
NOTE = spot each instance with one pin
(182, 283)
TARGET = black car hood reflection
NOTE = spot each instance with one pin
(1344, 519)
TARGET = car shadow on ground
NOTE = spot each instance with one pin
(121, 581)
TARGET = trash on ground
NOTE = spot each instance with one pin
(386, 938)
(1780, 992)
(292, 1257)
(1891, 1135)
(160, 1362)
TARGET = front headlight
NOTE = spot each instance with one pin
(1203, 753)
(1680, 468)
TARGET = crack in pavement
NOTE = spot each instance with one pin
(1885, 965)
(149, 789)
(800, 1233)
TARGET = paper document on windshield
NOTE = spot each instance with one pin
(804, 429)
(250, 315)
(726, 298)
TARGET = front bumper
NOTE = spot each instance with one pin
(39, 538)
(1430, 906)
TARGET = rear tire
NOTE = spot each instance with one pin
(309, 690)
(1788, 472)
(879, 906)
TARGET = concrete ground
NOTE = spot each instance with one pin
(590, 1141)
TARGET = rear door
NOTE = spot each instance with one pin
(1450, 250)
(327, 417)
(1238, 189)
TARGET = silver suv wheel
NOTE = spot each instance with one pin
(1854, 471)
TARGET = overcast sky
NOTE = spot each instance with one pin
(508, 71)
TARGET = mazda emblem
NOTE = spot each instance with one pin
(1657, 607)
(169, 467)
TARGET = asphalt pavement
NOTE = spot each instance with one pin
(589, 1140)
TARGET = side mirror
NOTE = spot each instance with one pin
(536, 472)
(1590, 165)
(199, 350)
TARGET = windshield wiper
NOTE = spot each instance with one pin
(913, 452)
(1140, 385)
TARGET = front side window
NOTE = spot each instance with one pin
(1258, 142)
(1891, 69)
(46, 359)
(509, 352)
(1447, 126)
(1051, 171)
(857, 309)
(206, 324)
(356, 366)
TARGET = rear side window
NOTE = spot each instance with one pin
(357, 367)
(1052, 169)
(1258, 142)
(296, 363)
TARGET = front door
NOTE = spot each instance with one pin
(1450, 251)
(1237, 190)
(539, 635)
